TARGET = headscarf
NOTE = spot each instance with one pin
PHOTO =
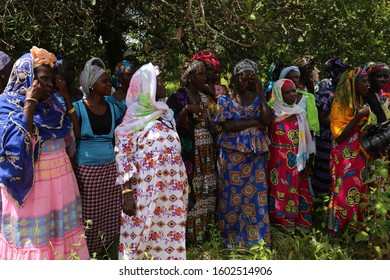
(17, 154)
(42, 56)
(245, 65)
(282, 111)
(208, 57)
(373, 67)
(287, 70)
(4, 60)
(334, 68)
(187, 68)
(120, 68)
(93, 69)
(345, 102)
(142, 107)
(304, 60)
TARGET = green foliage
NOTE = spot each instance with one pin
(168, 32)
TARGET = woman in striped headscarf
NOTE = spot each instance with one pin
(348, 117)
(193, 119)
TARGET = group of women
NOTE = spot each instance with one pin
(152, 173)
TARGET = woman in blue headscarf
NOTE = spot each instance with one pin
(41, 201)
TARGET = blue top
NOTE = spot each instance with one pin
(95, 149)
(249, 140)
(120, 104)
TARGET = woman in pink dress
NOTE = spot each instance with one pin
(289, 197)
(41, 201)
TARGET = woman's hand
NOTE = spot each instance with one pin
(36, 90)
(364, 111)
(128, 205)
(195, 109)
(60, 84)
(256, 81)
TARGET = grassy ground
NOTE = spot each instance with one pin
(316, 244)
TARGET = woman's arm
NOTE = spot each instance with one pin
(323, 117)
(33, 94)
(70, 110)
(363, 112)
(238, 125)
(265, 110)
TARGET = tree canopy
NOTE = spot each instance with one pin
(167, 32)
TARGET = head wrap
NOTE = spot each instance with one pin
(188, 67)
(304, 60)
(208, 57)
(42, 56)
(287, 83)
(287, 70)
(245, 65)
(142, 107)
(120, 68)
(93, 69)
(372, 67)
(128, 52)
(18, 155)
(345, 103)
(4, 60)
(283, 110)
(334, 68)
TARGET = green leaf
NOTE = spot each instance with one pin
(361, 236)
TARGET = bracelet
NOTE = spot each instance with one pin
(31, 99)
(127, 191)
(70, 111)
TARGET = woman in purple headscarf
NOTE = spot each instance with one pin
(324, 92)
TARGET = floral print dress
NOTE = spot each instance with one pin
(160, 187)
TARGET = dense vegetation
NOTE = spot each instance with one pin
(167, 32)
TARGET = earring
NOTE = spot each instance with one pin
(91, 88)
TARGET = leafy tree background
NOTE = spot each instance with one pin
(167, 32)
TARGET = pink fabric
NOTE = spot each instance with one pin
(55, 188)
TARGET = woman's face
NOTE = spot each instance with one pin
(362, 85)
(44, 75)
(380, 79)
(126, 77)
(102, 86)
(246, 81)
(293, 76)
(198, 77)
(289, 94)
(68, 72)
(160, 90)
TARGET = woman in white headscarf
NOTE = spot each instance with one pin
(95, 166)
(151, 172)
(290, 202)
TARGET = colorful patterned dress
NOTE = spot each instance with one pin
(242, 197)
(49, 225)
(290, 202)
(160, 186)
(199, 156)
(348, 170)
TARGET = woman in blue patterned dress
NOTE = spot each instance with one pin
(243, 116)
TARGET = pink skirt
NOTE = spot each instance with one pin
(49, 225)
